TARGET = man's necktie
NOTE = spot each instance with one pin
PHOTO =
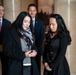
(33, 21)
(0, 24)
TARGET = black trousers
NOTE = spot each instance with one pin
(4, 63)
(27, 70)
(38, 61)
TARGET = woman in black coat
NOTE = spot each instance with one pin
(57, 40)
(19, 47)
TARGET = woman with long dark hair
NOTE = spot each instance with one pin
(57, 40)
(19, 47)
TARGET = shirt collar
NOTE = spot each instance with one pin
(1, 20)
(33, 19)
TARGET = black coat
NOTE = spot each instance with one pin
(5, 25)
(54, 55)
(12, 49)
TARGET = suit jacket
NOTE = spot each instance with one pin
(5, 25)
(12, 49)
(39, 35)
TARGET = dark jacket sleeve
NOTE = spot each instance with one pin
(11, 49)
(45, 53)
(61, 53)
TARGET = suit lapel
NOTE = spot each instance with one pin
(16, 37)
(4, 24)
(36, 22)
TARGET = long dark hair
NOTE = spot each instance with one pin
(62, 29)
(19, 21)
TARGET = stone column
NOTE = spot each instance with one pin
(67, 8)
(11, 8)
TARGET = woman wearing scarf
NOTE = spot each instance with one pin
(19, 47)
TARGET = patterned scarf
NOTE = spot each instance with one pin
(27, 33)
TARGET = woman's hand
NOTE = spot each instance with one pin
(27, 54)
(47, 66)
(31, 53)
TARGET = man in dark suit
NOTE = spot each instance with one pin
(38, 33)
(4, 24)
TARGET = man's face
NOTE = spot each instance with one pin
(1, 11)
(32, 11)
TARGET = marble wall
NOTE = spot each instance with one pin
(25, 3)
(73, 33)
